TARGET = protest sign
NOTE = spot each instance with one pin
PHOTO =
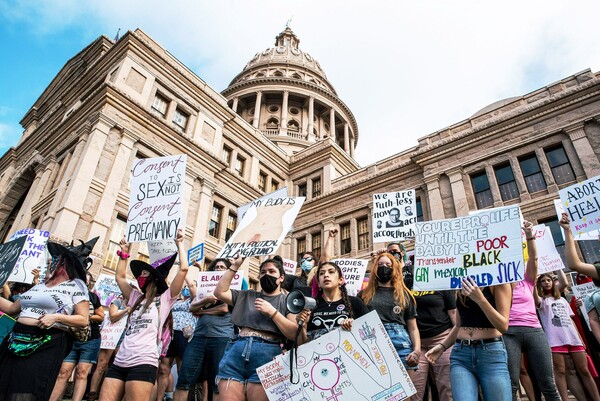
(9, 255)
(587, 236)
(394, 216)
(341, 365)
(486, 246)
(155, 211)
(241, 211)
(207, 282)
(548, 257)
(354, 273)
(6, 325)
(581, 202)
(33, 255)
(159, 251)
(111, 332)
(289, 266)
(582, 291)
(263, 228)
(106, 288)
(196, 253)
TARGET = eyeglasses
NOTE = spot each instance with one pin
(307, 259)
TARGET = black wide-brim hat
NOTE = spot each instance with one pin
(159, 273)
(72, 259)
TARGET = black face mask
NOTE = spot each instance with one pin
(384, 273)
(268, 283)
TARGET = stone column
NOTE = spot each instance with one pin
(284, 114)
(234, 106)
(120, 168)
(546, 170)
(352, 145)
(311, 116)
(521, 184)
(23, 220)
(346, 138)
(491, 176)
(353, 236)
(332, 125)
(207, 189)
(257, 106)
(9, 174)
(254, 170)
(459, 196)
(436, 206)
(584, 150)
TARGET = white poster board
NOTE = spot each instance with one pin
(361, 364)
(289, 266)
(587, 236)
(486, 246)
(111, 332)
(548, 257)
(582, 291)
(394, 216)
(207, 282)
(159, 251)
(241, 211)
(33, 255)
(354, 273)
(155, 201)
(195, 253)
(581, 202)
(263, 228)
(106, 288)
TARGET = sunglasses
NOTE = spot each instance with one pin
(308, 259)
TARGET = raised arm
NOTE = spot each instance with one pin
(121, 272)
(223, 290)
(531, 269)
(191, 284)
(562, 281)
(573, 261)
(178, 280)
(328, 251)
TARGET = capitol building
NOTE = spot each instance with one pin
(279, 123)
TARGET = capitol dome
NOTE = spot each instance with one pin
(284, 92)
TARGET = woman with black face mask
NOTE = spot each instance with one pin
(264, 322)
(386, 287)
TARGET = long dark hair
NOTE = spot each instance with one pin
(345, 297)
(275, 260)
(148, 294)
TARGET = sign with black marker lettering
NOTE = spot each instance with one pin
(354, 273)
(33, 255)
(581, 202)
(9, 254)
(394, 216)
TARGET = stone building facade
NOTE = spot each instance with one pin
(279, 123)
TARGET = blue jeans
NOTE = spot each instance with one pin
(401, 340)
(85, 352)
(243, 356)
(202, 356)
(482, 365)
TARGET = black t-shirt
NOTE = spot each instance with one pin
(388, 309)
(408, 275)
(328, 316)
(471, 315)
(292, 282)
(432, 309)
(94, 304)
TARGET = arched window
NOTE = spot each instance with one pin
(272, 123)
(293, 125)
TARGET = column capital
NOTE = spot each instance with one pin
(455, 174)
(575, 131)
(432, 181)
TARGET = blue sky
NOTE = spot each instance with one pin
(405, 69)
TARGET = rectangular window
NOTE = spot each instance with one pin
(226, 155)
(239, 165)
(274, 185)
(116, 233)
(215, 221)
(419, 210)
(345, 240)
(300, 247)
(560, 165)
(316, 187)
(532, 173)
(262, 181)
(302, 189)
(481, 188)
(506, 182)
(231, 222)
(181, 118)
(590, 251)
(363, 233)
(159, 105)
(316, 245)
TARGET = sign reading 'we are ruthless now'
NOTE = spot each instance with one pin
(156, 195)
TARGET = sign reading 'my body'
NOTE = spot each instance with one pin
(394, 216)
(581, 202)
(155, 210)
(486, 246)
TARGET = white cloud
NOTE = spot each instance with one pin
(405, 69)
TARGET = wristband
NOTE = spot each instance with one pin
(443, 346)
(122, 255)
(229, 268)
(273, 315)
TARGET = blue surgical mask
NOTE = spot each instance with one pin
(185, 292)
(307, 265)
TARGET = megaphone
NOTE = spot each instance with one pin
(296, 302)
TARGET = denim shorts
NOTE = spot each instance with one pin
(86, 352)
(243, 356)
(401, 340)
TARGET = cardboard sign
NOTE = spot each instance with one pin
(581, 202)
(155, 211)
(394, 216)
(290, 266)
(241, 211)
(9, 255)
(582, 291)
(263, 228)
(588, 236)
(361, 364)
(354, 273)
(111, 332)
(159, 251)
(207, 282)
(196, 253)
(486, 246)
(107, 289)
(33, 255)
(6, 325)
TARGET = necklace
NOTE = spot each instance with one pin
(330, 302)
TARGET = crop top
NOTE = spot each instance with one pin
(471, 315)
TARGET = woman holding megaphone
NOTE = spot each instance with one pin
(264, 321)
